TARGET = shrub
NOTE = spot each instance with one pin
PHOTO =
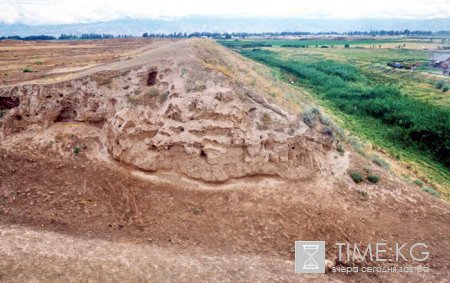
(363, 195)
(328, 131)
(418, 183)
(357, 146)
(310, 115)
(308, 120)
(380, 161)
(340, 149)
(27, 70)
(132, 99)
(356, 177)
(338, 132)
(373, 179)
(324, 120)
(331, 129)
(76, 150)
(439, 84)
(266, 120)
(1, 114)
(445, 88)
(347, 45)
(153, 92)
(431, 191)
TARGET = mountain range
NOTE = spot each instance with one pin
(210, 24)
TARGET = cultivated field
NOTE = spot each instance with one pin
(44, 60)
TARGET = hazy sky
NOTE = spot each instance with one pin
(84, 11)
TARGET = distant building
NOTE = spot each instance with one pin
(402, 65)
(441, 60)
(396, 65)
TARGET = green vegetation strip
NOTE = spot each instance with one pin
(303, 43)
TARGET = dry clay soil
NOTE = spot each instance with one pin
(96, 217)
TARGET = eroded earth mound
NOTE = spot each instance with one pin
(175, 114)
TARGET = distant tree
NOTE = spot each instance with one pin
(107, 36)
(68, 37)
(94, 36)
(347, 45)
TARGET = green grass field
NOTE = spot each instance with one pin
(419, 84)
(303, 42)
(404, 112)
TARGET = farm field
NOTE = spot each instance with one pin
(45, 60)
(404, 113)
(337, 42)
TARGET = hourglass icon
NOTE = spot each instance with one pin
(309, 256)
(310, 263)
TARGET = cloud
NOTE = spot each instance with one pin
(35, 12)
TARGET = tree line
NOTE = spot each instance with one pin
(399, 32)
(227, 35)
(66, 37)
(224, 35)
